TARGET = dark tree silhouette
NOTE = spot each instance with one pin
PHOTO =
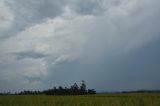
(83, 87)
(73, 90)
(91, 91)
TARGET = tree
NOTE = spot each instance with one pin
(91, 91)
(83, 87)
(74, 89)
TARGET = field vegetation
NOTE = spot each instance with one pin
(109, 99)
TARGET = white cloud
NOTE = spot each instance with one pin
(61, 39)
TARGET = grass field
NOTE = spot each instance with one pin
(125, 99)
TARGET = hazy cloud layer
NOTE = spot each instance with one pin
(112, 44)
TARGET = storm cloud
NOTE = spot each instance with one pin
(111, 44)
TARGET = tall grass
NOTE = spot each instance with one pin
(130, 99)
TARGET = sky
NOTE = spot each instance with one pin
(111, 44)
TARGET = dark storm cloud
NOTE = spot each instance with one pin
(88, 7)
(51, 9)
(33, 79)
(134, 71)
(111, 44)
(29, 12)
(29, 54)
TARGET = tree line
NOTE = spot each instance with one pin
(72, 90)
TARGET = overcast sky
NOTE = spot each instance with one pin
(113, 45)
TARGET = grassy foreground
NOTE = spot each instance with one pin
(126, 99)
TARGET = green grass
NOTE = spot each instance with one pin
(128, 99)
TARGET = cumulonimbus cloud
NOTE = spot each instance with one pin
(40, 39)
